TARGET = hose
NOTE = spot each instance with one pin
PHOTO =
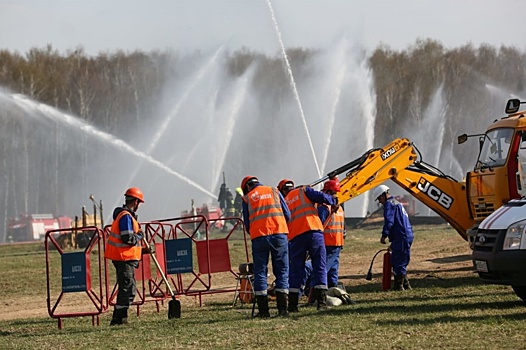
(370, 272)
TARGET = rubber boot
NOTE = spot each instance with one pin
(281, 301)
(293, 302)
(320, 295)
(406, 283)
(262, 302)
(398, 282)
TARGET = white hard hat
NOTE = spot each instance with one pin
(378, 191)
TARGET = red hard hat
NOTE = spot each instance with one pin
(135, 193)
(285, 183)
(331, 185)
(246, 180)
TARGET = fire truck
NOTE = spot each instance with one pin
(33, 227)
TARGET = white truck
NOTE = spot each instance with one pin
(499, 247)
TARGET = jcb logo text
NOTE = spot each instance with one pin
(435, 193)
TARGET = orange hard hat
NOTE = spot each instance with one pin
(285, 183)
(331, 185)
(248, 180)
(135, 193)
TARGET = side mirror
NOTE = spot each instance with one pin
(462, 138)
(512, 106)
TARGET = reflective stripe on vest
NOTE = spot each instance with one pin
(303, 214)
(264, 212)
(333, 233)
(115, 248)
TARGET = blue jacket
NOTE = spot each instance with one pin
(396, 221)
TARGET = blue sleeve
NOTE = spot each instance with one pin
(323, 213)
(389, 213)
(245, 216)
(126, 225)
(284, 207)
(319, 197)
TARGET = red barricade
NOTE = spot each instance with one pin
(76, 277)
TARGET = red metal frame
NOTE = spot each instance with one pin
(96, 299)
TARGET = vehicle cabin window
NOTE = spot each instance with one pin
(496, 148)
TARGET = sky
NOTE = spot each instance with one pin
(188, 25)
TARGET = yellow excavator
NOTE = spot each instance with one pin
(497, 180)
(497, 176)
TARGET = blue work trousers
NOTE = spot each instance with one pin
(333, 264)
(311, 243)
(277, 246)
(401, 255)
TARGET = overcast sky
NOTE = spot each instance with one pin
(109, 25)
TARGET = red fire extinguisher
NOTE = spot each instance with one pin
(386, 272)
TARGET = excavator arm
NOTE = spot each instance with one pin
(401, 162)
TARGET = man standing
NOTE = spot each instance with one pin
(265, 215)
(400, 233)
(124, 249)
(333, 233)
(306, 237)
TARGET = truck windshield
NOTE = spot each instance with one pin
(495, 148)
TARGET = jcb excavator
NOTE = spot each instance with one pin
(499, 176)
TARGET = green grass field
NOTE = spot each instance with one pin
(448, 308)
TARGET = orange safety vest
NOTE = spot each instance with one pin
(303, 214)
(115, 249)
(264, 212)
(333, 232)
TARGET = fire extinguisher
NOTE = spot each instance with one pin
(386, 271)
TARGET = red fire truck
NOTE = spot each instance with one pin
(33, 227)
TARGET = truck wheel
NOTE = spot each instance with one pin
(520, 291)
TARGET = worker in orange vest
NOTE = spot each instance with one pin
(265, 215)
(333, 232)
(306, 238)
(123, 247)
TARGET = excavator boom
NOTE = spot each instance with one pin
(401, 162)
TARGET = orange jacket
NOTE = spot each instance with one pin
(333, 232)
(115, 248)
(303, 214)
(264, 212)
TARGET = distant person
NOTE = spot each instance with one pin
(222, 199)
(398, 230)
(123, 247)
(238, 202)
(230, 211)
(265, 215)
(306, 238)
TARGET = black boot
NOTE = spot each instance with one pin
(398, 282)
(281, 301)
(320, 295)
(406, 283)
(293, 302)
(262, 302)
(120, 316)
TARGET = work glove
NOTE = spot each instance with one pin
(382, 240)
(334, 208)
(148, 250)
(139, 235)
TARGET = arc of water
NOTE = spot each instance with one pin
(199, 76)
(293, 85)
(236, 105)
(118, 143)
(332, 114)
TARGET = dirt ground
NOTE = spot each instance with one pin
(446, 256)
